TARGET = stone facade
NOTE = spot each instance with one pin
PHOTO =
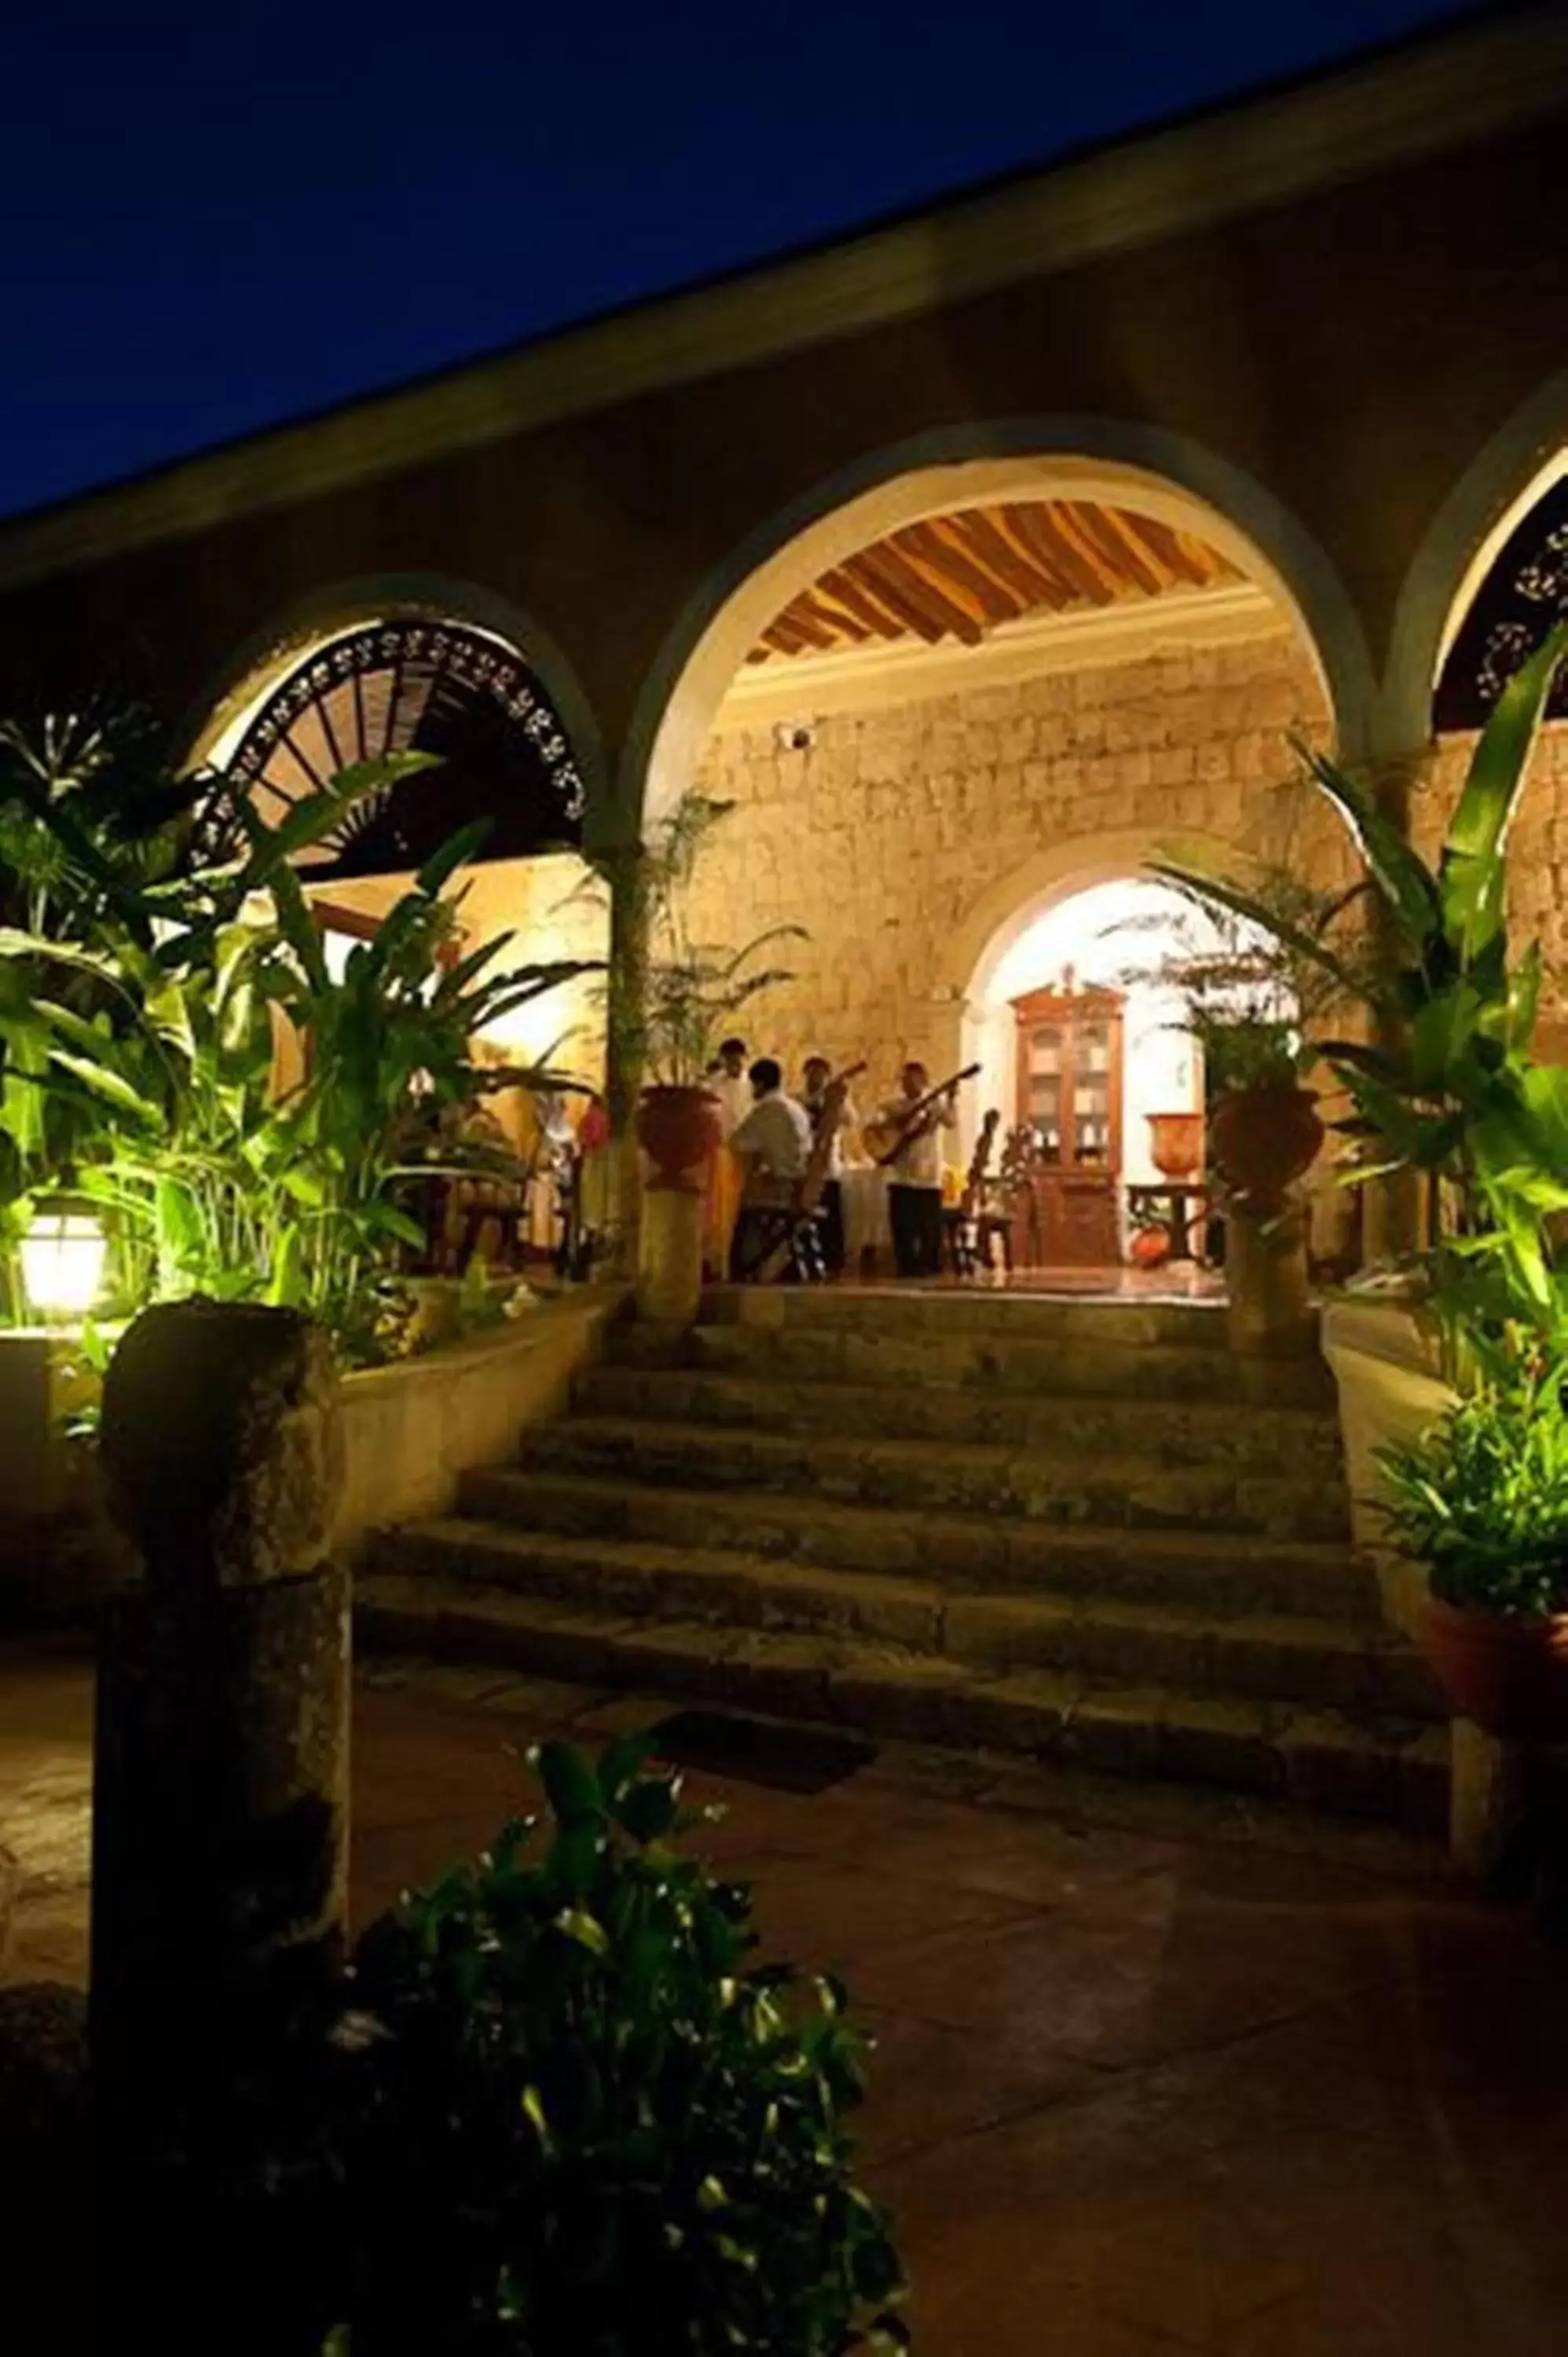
(894, 826)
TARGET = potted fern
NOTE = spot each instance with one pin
(669, 1018)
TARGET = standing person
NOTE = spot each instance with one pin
(815, 1075)
(726, 1081)
(772, 1146)
(915, 1174)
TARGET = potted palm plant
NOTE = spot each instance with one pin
(1450, 1093)
(669, 1019)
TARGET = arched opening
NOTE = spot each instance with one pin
(965, 696)
(370, 675)
(1107, 464)
(1513, 591)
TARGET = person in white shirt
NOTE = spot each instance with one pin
(773, 1146)
(725, 1080)
(815, 1075)
(915, 1175)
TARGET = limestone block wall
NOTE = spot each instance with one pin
(897, 825)
(1538, 855)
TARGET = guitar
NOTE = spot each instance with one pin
(889, 1140)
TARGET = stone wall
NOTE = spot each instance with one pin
(1538, 856)
(887, 834)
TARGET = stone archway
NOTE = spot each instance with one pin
(1526, 455)
(1142, 468)
(282, 644)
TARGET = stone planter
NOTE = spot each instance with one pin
(412, 1430)
(679, 1130)
(1384, 1364)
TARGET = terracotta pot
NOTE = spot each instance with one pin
(1149, 1247)
(1262, 1140)
(1175, 1144)
(680, 1132)
(1507, 1675)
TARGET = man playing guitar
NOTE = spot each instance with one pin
(915, 1121)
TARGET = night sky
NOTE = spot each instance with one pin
(214, 217)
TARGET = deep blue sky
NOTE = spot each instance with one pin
(213, 216)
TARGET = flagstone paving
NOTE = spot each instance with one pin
(1142, 2086)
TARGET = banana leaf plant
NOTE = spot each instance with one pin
(1448, 1088)
(157, 1032)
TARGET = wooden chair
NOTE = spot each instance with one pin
(974, 1225)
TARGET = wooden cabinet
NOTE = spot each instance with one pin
(1070, 1096)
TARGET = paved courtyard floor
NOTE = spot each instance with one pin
(1142, 2087)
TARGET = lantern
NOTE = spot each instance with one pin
(62, 1263)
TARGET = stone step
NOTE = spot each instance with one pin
(1217, 1569)
(1055, 1486)
(904, 1310)
(1352, 1664)
(1168, 1431)
(1396, 1770)
(1046, 1368)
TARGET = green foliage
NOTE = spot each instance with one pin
(1482, 1499)
(1449, 1089)
(669, 1019)
(140, 1012)
(1253, 983)
(580, 2124)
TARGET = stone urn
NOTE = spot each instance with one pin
(679, 1130)
(1175, 1144)
(1504, 1672)
(1262, 1140)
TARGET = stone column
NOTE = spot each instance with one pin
(1267, 1311)
(624, 1042)
(1391, 1214)
(220, 1767)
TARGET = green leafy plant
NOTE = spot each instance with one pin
(1449, 1089)
(1482, 1499)
(579, 2122)
(154, 1029)
(669, 1018)
(1251, 986)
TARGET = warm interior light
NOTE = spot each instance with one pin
(62, 1263)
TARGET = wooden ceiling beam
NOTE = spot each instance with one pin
(1118, 535)
(919, 546)
(858, 597)
(1029, 523)
(923, 609)
(1105, 582)
(1011, 586)
(947, 545)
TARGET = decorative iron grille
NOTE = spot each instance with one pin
(1525, 592)
(411, 685)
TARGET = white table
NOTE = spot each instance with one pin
(863, 1193)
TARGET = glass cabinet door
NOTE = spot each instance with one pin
(1047, 1077)
(1092, 1094)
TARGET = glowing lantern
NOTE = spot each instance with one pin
(62, 1263)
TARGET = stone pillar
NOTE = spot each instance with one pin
(670, 1256)
(220, 1767)
(1392, 1206)
(624, 1046)
(1268, 1308)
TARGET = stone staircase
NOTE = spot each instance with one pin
(1080, 1531)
